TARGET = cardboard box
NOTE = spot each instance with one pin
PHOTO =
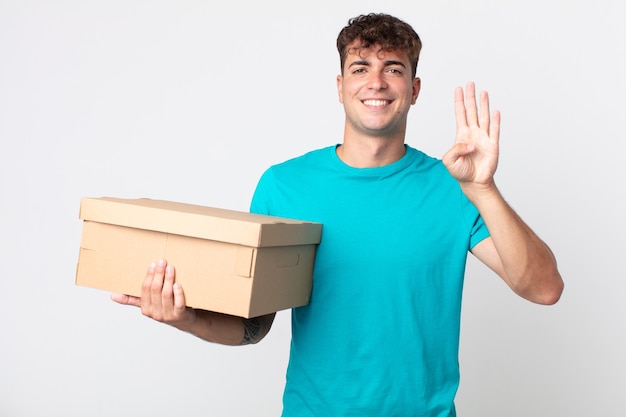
(226, 261)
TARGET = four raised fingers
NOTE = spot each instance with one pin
(466, 108)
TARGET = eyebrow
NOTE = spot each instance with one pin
(367, 63)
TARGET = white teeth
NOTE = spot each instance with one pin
(375, 102)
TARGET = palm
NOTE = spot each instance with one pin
(474, 156)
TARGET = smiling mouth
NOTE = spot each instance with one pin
(376, 103)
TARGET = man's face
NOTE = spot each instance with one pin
(377, 89)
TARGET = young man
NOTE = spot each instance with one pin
(380, 335)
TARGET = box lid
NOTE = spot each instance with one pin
(200, 221)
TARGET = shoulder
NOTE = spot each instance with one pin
(282, 179)
(421, 162)
(312, 163)
(313, 157)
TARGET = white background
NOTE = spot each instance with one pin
(192, 100)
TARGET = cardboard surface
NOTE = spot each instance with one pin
(227, 261)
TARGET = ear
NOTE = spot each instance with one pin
(417, 85)
(340, 88)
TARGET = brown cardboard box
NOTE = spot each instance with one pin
(227, 261)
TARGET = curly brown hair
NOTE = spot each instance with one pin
(387, 31)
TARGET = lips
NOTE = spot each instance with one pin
(376, 102)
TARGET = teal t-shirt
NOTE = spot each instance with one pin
(380, 335)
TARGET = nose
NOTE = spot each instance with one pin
(377, 81)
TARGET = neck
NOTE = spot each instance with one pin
(370, 152)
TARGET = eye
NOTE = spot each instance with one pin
(396, 71)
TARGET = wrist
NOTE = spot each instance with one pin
(188, 322)
(481, 194)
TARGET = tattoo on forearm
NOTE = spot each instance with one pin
(251, 330)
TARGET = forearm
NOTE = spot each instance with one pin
(524, 261)
(226, 329)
